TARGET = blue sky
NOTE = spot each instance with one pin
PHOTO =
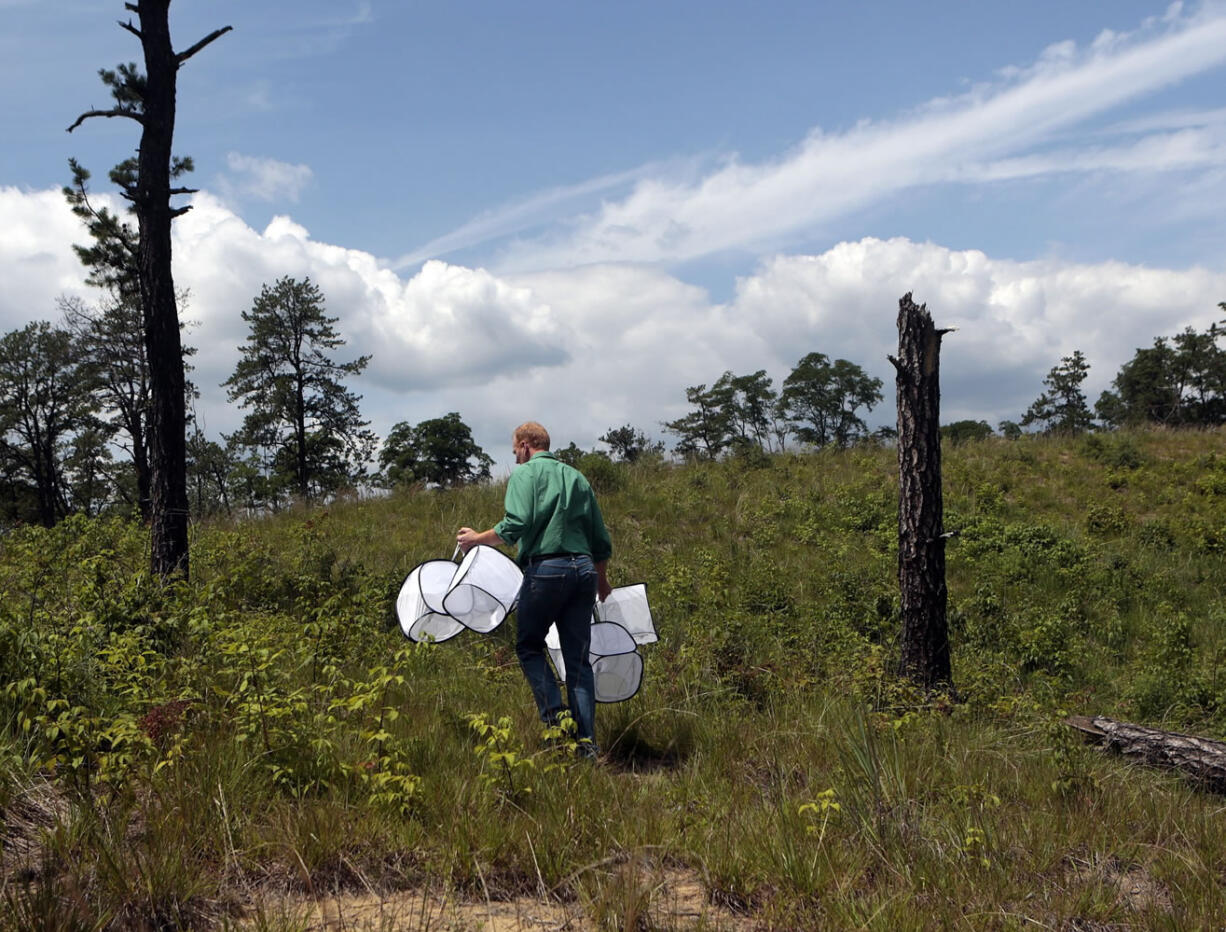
(573, 211)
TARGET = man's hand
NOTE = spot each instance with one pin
(466, 538)
(603, 589)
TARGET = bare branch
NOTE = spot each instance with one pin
(132, 29)
(215, 34)
(174, 191)
(133, 7)
(897, 365)
(117, 112)
(180, 211)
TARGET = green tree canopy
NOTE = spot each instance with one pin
(299, 411)
(47, 417)
(964, 431)
(704, 432)
(629, 444)
(822, 399)
(439, 451)
(1179, 380)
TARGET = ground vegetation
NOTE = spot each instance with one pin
(261, 742)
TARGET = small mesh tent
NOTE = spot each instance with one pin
(439, 599)
(616, 663)
(484, 589)
(419, 606)
(618, 677)
(627, 606)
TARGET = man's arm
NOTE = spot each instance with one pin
(603, 589)
(467, 538)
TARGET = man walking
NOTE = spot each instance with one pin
(564, 550)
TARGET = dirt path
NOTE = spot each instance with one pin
(676, 901)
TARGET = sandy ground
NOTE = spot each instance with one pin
(676, 901)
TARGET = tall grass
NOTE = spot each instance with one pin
(172, 757)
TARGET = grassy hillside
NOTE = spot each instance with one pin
(169, 756)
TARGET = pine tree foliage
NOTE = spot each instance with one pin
(704, 431)
(820, 404)
(299, 411)
(149, 99)
(110, 338)
(1062, 408)
(629, 444)
(1180, 380)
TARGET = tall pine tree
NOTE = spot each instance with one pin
(149, 99)
(298, 409)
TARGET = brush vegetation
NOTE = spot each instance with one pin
(169, 755)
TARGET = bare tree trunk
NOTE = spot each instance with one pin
(168, 416)
(921, 538)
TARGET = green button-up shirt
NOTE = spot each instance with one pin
(550, 508)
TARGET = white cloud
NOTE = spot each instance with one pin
(263, 178)
(1003, 126)
(1013, 320)
(585, 349)
(518, 215)
(37, 263)
(445, 325)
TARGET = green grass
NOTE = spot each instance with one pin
(171, 756)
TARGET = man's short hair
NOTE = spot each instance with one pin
(533, 434)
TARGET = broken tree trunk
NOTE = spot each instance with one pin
(921, 538)
(1200, 759)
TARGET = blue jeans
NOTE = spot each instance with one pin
(559, 590)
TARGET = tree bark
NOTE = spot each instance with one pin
(168, 415)
(1200, 759)
(921, 539)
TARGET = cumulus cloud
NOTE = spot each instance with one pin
(433, 330)
(37, 263)
(262, 178)
(994, 131)
(584, 349)
(1013, 320)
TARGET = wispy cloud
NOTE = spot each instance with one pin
(308, 38)
(993, 131)
(521, 215)
(262, 178)
(1170, 120)
(1159, 152)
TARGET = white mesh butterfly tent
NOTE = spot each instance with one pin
(619, 625)
(419, 606)
(483, 590)
(439, 599)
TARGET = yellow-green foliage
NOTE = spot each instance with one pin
(163, 748)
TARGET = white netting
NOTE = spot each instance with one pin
(439, 600)
(483, 590)
(627, 606)
(619, 625)
(617, 677)
(419, 606)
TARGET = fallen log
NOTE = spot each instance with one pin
(1200, 759)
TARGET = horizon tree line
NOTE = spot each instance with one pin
(74, 403)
